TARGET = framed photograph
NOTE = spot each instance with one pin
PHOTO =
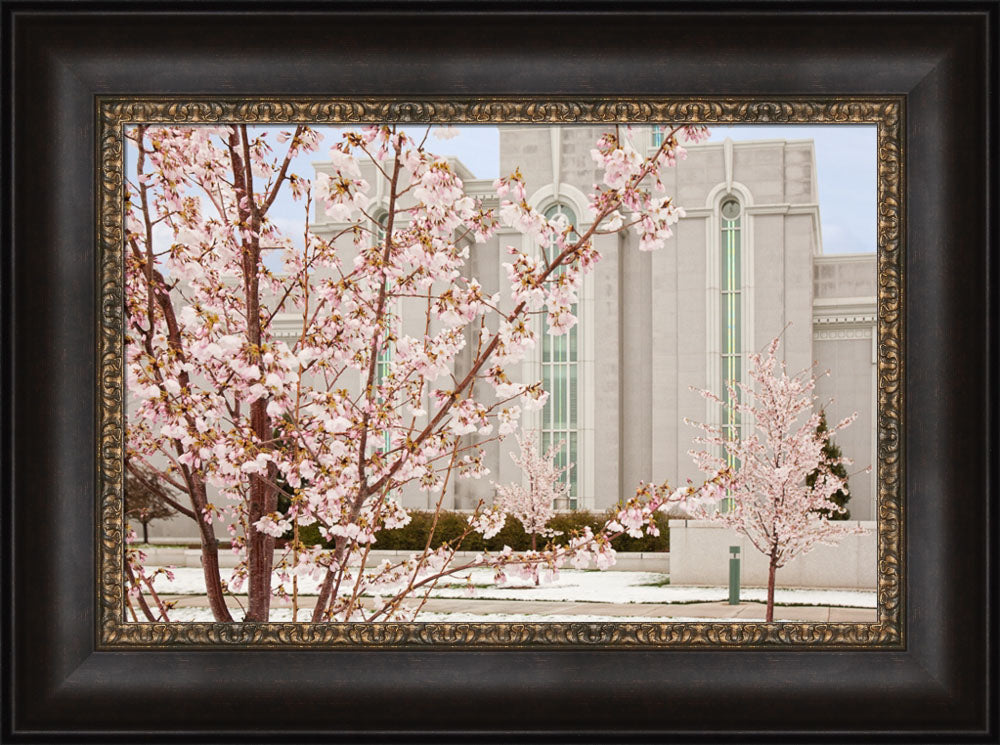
(421, 380)
(498, 375)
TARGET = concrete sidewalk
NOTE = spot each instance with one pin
(627, 611)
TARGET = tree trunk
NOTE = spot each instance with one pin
(210, 568)
(209, 555)
(145, 532)
(772, 568)
(327, 588)
(260, 549)
(263, 496)
(323, 599)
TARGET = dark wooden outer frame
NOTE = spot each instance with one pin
(58, 684)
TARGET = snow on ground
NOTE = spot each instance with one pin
(570, 586)
(280, 615)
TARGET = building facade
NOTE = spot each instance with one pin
(745, 263)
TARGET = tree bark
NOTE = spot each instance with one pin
(263, 497)
(534, 547)
(335, 570)
(210, 561)
(213, 583)
(771, 570)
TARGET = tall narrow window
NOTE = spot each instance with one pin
(381, 373)
(658, 131)
(732, 322)
(385, 348)
(560, 373)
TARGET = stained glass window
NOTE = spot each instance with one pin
(560, 377)
(385, 349)
(732, 322)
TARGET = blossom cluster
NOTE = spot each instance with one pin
(533, 504)
(326, 425)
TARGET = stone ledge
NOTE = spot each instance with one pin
(647, 561)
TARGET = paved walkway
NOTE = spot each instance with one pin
(628, 611)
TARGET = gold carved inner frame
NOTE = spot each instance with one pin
(115, 113)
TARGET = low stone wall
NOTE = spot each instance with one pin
(699, 555)
(187, 557)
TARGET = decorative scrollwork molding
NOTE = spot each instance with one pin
(114, 113)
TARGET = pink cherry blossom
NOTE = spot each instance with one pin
(234, 411)
(767, 498)
(533, 503)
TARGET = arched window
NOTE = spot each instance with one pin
(560, 377)
(731, 316)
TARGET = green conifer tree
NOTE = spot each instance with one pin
(831, 460)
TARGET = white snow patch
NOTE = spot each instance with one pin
(570, 586)
(282, 615)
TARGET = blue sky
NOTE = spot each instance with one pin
(846, 168)
(845, 162)
(847, 175)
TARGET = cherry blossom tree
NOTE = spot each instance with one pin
(139, 584)
(230, 413)
(768, 498)
(533, 505)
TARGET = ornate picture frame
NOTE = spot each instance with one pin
(886, 113)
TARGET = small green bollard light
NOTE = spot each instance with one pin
(734, 575)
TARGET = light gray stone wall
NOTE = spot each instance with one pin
(844, 339)
(653, 320)
(845, 391)
(178, 530)
(607, 393)
(699, 555)
(691, 305)
(636, 367)
(845, 276)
